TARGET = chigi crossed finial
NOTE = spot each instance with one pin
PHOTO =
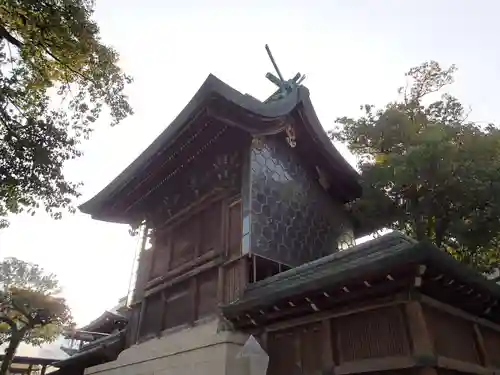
(284, 86)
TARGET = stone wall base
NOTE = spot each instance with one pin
(199, 350)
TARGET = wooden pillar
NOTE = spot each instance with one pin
(327, 348)
(44, 368)
(221, 298)
(483, 353)
(420, 336)
(137, 332)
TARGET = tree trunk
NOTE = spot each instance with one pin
(15, 340)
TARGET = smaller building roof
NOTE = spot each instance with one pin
(101, 350)
(104, 323)
(385, 253)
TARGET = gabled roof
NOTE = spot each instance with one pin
(261, 119)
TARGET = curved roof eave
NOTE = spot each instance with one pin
(214, 86)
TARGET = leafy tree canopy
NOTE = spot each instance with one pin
(428, 168)
(56, 77)
(31, 309)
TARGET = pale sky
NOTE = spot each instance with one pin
(353, 52)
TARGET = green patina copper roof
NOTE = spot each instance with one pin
(384, 253)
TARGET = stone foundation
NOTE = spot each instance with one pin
(199, 350)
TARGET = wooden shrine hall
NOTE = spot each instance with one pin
(241, 209)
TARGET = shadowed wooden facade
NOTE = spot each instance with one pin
(234, 191)
(241, 206)
(388, 305)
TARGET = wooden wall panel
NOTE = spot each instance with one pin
(311, 348)
(284, 356)
(184, 242)
(235, 229)
(372, 334)
(161, 249)
(453, 337)
(152, 319)
(491, 341)
(207, 293)
(210, 228)
(298, 350)
(179, 306)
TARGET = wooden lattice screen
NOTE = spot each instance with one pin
(372, 334)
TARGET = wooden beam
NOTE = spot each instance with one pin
(320, 316)
(420, 336)
(183, 277)
(375, 365)
(458, 313)
(195, 207)
(427, 371)
(463, 367)
(181, 269)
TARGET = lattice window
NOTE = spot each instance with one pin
(372, 334)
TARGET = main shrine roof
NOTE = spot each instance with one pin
(219, 100)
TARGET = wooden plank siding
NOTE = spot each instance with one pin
(196, 264)
(406, 336)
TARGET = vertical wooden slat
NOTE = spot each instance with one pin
(420, 335)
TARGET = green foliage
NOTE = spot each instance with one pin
(56, 77)
(30, 298)
(428, 170)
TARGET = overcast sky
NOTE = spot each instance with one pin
(353, 52)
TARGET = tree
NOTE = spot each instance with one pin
(31, 309)
(56, 77)
(429, 169)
